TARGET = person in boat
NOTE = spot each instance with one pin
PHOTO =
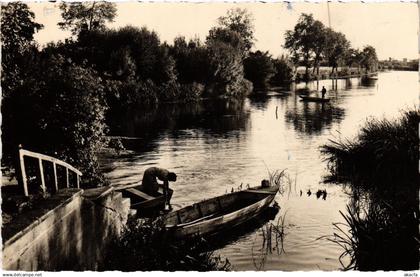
(323, 92)
(150, 184)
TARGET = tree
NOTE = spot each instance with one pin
(319, 43)
(226, 66)
(17, 30)
(227, 36)
(240, 21)
(369, 58)
(283, 70)
(336, 48)
(303, 42)
(74, 123)
(17, 26)
(259, 69)
(192, 63)
(86, 16)
(351, 57)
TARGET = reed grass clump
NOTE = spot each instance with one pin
(146, 246)
(384, 154)
(377, 238)
(381, 167)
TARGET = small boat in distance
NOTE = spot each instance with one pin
(219, 213)
(314, 99)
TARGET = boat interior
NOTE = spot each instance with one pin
(214, 207)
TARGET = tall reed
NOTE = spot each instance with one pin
(381, 167)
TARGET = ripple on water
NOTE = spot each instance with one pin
(214, 153)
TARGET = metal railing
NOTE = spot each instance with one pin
(54, 161)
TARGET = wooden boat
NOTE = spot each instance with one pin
(314, 99)
(219, 213)
(142, 201)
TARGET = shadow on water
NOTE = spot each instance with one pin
(268, 236)
(379, 234)
(367, 82)
(272, 242)
(234, 234)
(312, 118)
(142, 128)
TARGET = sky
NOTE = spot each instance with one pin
(392, 28)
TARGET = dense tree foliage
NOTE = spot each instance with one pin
(259, 69)
(310, 43)
(336, 48)
(17, 30)
(303, 39)
(369, 58)
(192, 63)
(240, 21)
(283, 71)
(226, 67)
(86, 16)
(60, 111)
(55, 107)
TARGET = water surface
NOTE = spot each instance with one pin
(214, 147)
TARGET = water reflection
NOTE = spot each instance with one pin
(239, 232)
(383, 231)
(143, 128)
(311, 118)
(368, 82)
(214, 146)
(270, 240)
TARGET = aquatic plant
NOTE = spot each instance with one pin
(279, 178)
(272, 241)
(377, 238)
(146, 246)
(381, 168)
(385, 153)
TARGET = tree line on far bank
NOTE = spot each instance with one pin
(56, 100)
(311, 44)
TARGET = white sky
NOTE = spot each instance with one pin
(392, 28)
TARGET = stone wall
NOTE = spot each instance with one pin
(72, 236)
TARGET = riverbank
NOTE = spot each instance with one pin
(214, 147)
(325, 73)
(381, 168)
(70, 230)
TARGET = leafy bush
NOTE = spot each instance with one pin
(191, 92)
(59, 110)
(283, 72)
(259, 69)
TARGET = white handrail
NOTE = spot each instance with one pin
(55, 161)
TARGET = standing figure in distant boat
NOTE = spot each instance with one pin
(324, 194)
(323, 92)
(150, 185)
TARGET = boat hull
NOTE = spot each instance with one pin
(314, 99)
(226, 219)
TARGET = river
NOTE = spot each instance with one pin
(214, 147)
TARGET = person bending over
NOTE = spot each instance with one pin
(150, 184)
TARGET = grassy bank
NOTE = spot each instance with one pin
(381, 167)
